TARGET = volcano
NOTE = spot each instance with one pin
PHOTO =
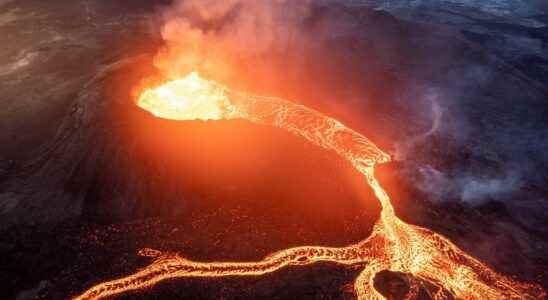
(393, 245)
(257, 197)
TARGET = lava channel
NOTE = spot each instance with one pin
(393, 245)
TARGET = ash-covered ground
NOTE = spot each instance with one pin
(456, 92)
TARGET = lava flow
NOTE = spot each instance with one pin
(393, 245)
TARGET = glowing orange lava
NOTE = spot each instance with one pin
(394, 245)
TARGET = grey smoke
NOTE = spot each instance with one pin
(502, 140)
(470, 189)
(434, 115)
(478, 190)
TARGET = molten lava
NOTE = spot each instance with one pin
(189, 98)
(394, 245)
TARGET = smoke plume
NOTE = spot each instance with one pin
(213, 37)
(434, 115)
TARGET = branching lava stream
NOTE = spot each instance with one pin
(393, 245)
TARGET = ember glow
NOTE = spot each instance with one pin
(393, 245)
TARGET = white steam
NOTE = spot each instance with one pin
(478, 190)
(473, 190)
(435, 116)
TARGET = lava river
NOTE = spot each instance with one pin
(393, 245)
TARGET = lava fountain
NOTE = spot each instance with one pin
(393, 245)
